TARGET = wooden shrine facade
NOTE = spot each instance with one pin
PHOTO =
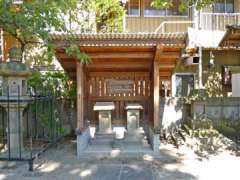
(124, 68)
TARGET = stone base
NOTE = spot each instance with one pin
(133, 117)
(83, 141)
(154, 139)
(105, 122)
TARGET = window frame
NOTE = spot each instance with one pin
(166, 15)
(224, 83)
(173, 79)
(139, 14)
(225, 8)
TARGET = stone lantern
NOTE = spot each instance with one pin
(14, 98)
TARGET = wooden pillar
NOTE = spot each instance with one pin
(80, 96)
(156, 95)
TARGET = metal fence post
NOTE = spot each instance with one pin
(8, 123)
(19, 125)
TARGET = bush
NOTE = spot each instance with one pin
(228, 128)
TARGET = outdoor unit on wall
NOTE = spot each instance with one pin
(192, 60)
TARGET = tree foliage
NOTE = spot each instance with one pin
(56, 82)
(32, 21)
(184, 4)
(109, 15)
(213, 85)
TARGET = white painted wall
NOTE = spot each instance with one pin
(236, 85)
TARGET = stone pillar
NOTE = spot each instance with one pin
(154, 138)
(15, 139)
(15, 98)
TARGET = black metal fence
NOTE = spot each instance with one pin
(29, 125)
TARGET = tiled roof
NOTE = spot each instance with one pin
(231, 39)
(121, 39)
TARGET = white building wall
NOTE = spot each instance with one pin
(236, 85)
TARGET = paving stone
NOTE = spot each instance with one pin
(136, 171)
(107, 172)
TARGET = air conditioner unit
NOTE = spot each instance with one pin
(191, 61)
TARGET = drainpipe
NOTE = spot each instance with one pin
(124, 2)
(197, 18)
(124, 22)
(200, 71)
(200, 68)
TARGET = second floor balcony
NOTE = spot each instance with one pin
(142, 17)
(218, 21)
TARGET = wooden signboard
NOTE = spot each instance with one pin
(120, 86)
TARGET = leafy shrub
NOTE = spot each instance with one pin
(228, 127)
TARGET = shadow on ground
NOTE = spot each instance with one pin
(61, 163)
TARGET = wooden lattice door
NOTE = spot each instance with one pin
(120, 88)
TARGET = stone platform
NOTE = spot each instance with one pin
(134, 144)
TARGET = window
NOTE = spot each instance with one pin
(151, 11)
(133, 7)
(172, 11)
(165, 88)
(226, 76)
(224, 6)
(184, 85)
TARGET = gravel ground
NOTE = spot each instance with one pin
(60, 163)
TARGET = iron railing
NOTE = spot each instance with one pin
(39, 126)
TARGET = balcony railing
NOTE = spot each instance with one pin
(174, 26)
(218, 21)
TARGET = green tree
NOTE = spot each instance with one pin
(109, 15)
(184, 4)
(56, 82)
(32, 21)
(213, 85)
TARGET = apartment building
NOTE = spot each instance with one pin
(204, 29)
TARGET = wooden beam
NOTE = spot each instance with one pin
(159, 51)
(114, 65)
(113, 55)
(127, 55)
(117, 49)
(116, 98)
(165, 73)
(156, 88)
(169, 55)
(172, 49)
(124, 74)
(122, 69)
(166, 66)
(165, 78)
(80, 96)
(156, 95)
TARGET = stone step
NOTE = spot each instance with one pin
(99, 135)
(104, 143)
(144, 143)
(135, 138)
